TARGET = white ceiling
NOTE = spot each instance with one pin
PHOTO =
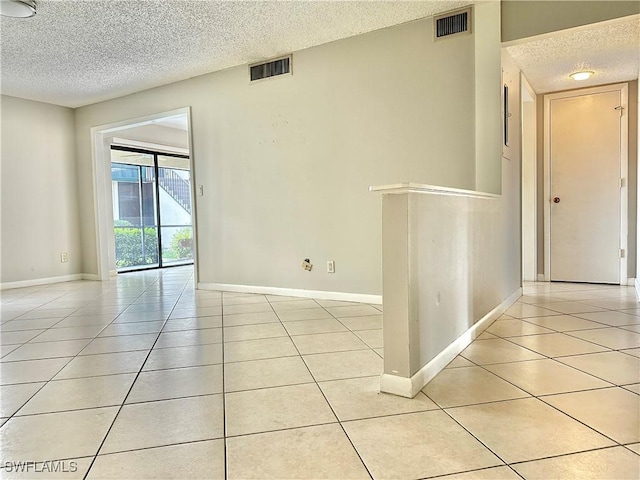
(610, 49)
(178, 122)
(75, 53)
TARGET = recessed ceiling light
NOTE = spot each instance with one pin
(17, 8)
(581, 75)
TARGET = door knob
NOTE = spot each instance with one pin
(556, 199)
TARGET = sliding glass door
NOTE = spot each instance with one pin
(151, 209)
(174, 179)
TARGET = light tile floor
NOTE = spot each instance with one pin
(143, 377)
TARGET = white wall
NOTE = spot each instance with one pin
(286, 163)
(451, 260)
(39, 202)
(529, 175)
(522, 18)
(637, 183)
(451, 265)
(487, 100)
(632, 205)
(511, 231)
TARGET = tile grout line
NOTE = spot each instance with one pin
(617, 444)
(71, 358)
(130, 388)
(470, 433)
(555, 359)
(354, 332)
(67, 316)
(528, 321)
(552, 406)
(607, 349)
(155, 400)
(532, 395)
(56, 341)
(549, 457)
(546, 403)
(581, 422)
(324, 396)
(436, 477)
(510, 340)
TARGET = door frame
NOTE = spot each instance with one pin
(623, 88)
(532, 190)
(101, 170)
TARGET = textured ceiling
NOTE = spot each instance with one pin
(79, 52)
(610, 49)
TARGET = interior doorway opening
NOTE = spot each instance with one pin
(144, 194)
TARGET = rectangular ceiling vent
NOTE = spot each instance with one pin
(457, 23)
(280, 66)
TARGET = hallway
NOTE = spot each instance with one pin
(145, 377)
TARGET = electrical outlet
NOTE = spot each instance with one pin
(331, 266)
(307, 265)
(200, 190)
(64, 257)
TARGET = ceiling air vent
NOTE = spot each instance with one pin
(281, 66)
(456, 23)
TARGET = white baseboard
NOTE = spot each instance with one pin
(90, 276)
(36, 282)
(294, 292)
(401, 386)
(637, 285)
(631, 282)
(409, 387)
(541, 277)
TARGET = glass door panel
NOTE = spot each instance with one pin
(175, 211)
(135, 211)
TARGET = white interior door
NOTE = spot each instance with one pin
(585, 160)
